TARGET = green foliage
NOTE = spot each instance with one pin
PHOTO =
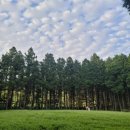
(126, 4)
(77, 74)
(12, 67)
(117, 73)
(60, 72)
(69, 71)
(50, 71)
(27, 83)
(96, 71)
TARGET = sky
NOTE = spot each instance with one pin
(76, 28)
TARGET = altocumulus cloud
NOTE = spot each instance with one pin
(76, 28)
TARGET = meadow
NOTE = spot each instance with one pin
(63, 120)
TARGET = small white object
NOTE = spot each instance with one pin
(88, 108)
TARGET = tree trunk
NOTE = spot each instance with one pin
(9, 99)
(119, 102)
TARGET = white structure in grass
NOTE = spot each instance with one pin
(88, 108)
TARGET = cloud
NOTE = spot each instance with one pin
(76, 28)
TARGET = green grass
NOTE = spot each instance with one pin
(63, 120)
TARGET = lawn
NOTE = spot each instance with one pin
(63, 120)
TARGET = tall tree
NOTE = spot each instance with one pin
(60, 81)
(117, 74)
(85, 82)
(31, 69)
(51, 79)
(69, 72)
(77, 83)
(96, 78)
(12, 64)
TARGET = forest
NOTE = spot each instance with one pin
(26, 83)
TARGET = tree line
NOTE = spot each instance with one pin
(26, 83)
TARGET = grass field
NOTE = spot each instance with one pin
(63, 120)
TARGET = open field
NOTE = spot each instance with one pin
(63, 120)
